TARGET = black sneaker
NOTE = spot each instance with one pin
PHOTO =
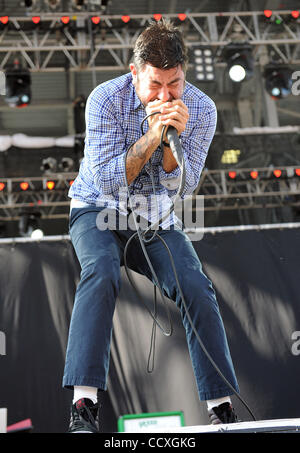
(84, 417)
(222, 414)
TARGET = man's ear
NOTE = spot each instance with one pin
(133, 72)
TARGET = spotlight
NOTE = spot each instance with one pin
(125, 18)
(278, 81)
(53, 4)
(78, 3)
(29, 225)
(18, 86)
(50, 185)
(49, 165)
(240, 62)
(181, 16)
(204, 65)
(67, 164)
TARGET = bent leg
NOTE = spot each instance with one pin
(88, 351)
(202, 307)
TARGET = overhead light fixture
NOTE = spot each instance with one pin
(53, 4)
(29, 225)
(204, 64)
(278, 81)
(49, 165)
(67, 164)
(125, 18)
(18, 86)
(230, 156)
(240, 61)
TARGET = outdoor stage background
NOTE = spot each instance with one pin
(256, 275)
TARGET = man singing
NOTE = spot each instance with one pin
(114, 113)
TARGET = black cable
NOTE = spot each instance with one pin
(141, 237)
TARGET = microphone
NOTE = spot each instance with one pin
(175, 145)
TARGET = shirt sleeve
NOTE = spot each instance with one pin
(195, 148)
(105, 147)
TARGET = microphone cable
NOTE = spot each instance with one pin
(178, 155)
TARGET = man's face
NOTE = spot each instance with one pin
(158, 84)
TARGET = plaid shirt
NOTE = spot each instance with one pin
(113, 118)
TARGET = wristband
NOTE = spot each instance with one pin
(166, 144)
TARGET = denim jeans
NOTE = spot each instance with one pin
(100, 254)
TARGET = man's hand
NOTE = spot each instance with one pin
(173, 113)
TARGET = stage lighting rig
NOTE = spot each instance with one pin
(18, 86)
(240, 61)
(278, 81)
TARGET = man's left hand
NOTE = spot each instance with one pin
(175, 113)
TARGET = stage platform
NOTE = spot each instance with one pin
(264, 426)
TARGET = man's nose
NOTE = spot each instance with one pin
(164, 94)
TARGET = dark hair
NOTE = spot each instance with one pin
(161, 45)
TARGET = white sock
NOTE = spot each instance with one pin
(217, 402)
(83, 391)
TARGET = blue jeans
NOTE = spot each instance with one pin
(100, 254)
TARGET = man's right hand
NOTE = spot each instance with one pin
(154, 122)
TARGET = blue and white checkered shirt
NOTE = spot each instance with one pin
(114, 114)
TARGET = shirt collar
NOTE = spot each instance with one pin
(136, 102)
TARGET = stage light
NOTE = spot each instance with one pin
(239, 61)
(96, 20)
(254, 174)
(295, 14)
(24, 185)
(182, 17)
(29, 225)
(49, 165)
(268, 13)
(277, 173)
(297, 171)
(4, 20)
(2, 186)
(53, 3)
(157, 17)
(279, 81)
(125, 19)
(232, 174)
(67, 164)
(65, 20)
(18, 86)
(79, 3)
(50, 185)
(36, 20)
(230, 156)
(204, 65)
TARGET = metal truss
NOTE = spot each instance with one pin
(220, 192)
(108, 45)
(51, 203)
(237, 189)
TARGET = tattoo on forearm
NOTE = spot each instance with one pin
(138, 156)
